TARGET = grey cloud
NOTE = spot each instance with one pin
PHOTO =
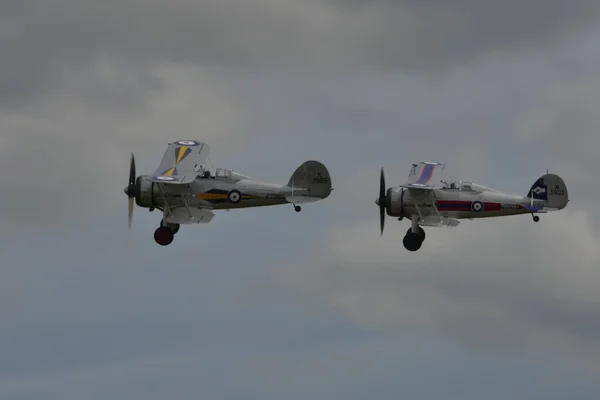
(85, 83)
(69, 153)
(498, 286)
(562, 125)
(38, 39)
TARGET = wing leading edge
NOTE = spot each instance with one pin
(180, 162)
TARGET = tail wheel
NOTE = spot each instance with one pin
(234, 196)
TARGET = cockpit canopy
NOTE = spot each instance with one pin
(229, 174)
(466, 186)
(221, 173)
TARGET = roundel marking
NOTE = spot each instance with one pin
(187, 142)
(477, 206)
(234, 196)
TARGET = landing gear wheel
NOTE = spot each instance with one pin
(173, 227)
(163, 236)
(536, 218)
(234, 196)
(421, 233)
(297, 208)
(412, 242)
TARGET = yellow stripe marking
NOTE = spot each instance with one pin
(182, 150)
(170, 172)
(211, 196)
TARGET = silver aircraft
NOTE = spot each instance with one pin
(184, 189)
(427, 203)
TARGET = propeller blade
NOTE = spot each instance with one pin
(130, 190)
(130, 214)
(132, 171)
(381, 218)
(382, 200)
(381, 186)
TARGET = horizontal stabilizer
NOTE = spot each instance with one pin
(538, 209)
(301, 199)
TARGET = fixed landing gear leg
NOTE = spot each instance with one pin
(420, 232)
(173, 227)
(415, 224)
(414, 236)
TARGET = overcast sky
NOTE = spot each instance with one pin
(268, 303)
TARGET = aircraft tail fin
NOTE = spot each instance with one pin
(551, 189)
(313, 177)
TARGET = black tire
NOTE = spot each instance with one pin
(297, 208)
(234, 196)
(412, 242)
(163, 236)
(421, 233)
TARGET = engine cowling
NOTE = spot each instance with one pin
(395, 202)
(144, 187)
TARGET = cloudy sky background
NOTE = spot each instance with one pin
(268, 303)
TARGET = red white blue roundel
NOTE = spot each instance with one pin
(187, 143)
(477, 206)
(234, 196)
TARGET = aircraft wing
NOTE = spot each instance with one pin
(424, 175)
(180, 162)
(184, 215)
(434, 220)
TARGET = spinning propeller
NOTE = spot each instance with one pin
(130, 189)
(381, 201)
